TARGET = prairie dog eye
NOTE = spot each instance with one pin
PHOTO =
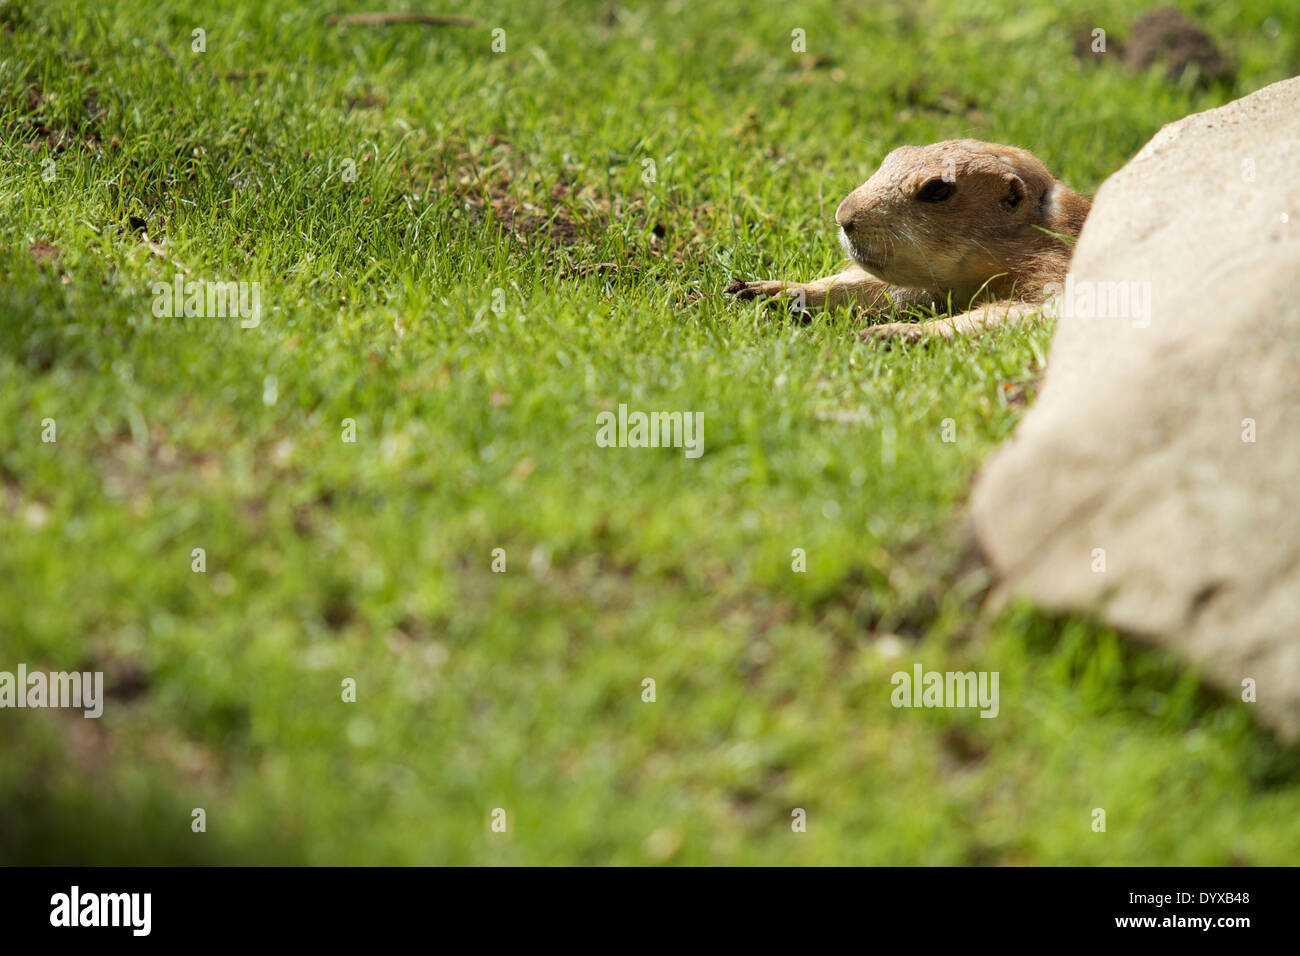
(936, 190)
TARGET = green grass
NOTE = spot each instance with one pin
(523, 171)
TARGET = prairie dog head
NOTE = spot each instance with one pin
(949, 216)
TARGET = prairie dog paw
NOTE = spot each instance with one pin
(792, 293)
(892, 332)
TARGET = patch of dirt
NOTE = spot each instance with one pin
(196, 763)
(586, 270)
(487, 183)
(43, 251)
(961, 748)
(129, 470)
(37, 127)
(88, 743)
(239, 76)
(482, 181)
(749, 125)
(127, 681)
(917, 99)
(365, 100)
(1084, 42)
(1165, 35)
(1017, 394)
(527, 222)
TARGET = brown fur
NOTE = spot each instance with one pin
(988, 243)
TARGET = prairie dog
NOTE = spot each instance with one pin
(962, 222)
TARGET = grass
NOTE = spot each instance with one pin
(502, 268)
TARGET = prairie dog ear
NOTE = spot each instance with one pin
(1015, 191)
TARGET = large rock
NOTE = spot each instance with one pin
(1140, 443)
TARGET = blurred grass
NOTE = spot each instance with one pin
(523, 171)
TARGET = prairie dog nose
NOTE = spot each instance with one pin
(849, 211)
